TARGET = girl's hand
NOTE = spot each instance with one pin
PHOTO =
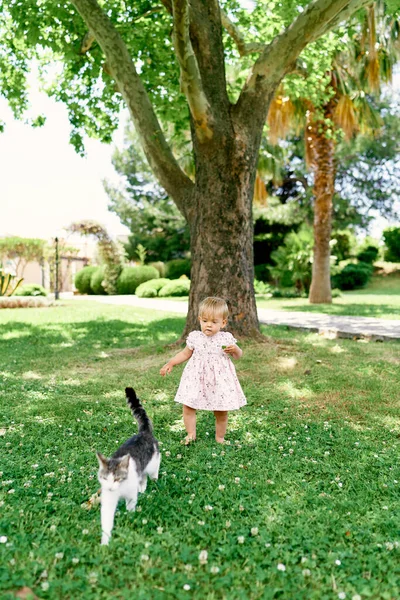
(233, 351)
(166, 369)
(230, 350)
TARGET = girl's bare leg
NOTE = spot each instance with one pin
(189, 420)
(221, 422)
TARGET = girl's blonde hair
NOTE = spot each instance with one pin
(214, 306)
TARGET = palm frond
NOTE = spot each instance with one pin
(280, 118)
(345, 116)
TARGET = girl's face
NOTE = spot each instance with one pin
(211, 324)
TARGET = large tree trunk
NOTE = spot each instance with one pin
(324, 168)
(221, 228)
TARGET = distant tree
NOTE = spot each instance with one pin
(143, 206)
(22, 251)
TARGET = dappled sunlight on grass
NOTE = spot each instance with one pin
(310, 476)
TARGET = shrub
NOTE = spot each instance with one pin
(262, 273)
(368, 255)
(31, 289)
(178, 267)
(288, 293)
(150, 289)
(160, 266)
(353, 276)
(96, 281)
(131, 277)
(82, 280)
(176, 287)
(261, 288)
(391, 235)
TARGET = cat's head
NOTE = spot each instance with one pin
(112, 471)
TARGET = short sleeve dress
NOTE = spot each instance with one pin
(209, 380)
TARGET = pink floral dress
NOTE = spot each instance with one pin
(209, 380)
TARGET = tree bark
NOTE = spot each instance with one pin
(221, 227)
(323, 152)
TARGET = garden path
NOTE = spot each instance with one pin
(331, 326)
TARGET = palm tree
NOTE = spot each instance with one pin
(355, 77)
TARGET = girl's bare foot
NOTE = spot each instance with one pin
(188, 440)
(219, 440)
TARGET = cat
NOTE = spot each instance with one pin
(124, 475)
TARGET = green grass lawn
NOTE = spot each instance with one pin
(381, 299)
(303, 504)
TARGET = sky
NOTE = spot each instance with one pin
(45, 185)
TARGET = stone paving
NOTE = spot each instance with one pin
(331, 326)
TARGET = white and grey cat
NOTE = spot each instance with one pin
(124, 475)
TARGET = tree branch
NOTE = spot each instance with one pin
(280, 56)
(158, 153)
(190, 75)
(237, 36)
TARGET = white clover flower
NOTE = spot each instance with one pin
(179, 456)
(92, 577)
(35, 466)
(11, 491)
(221, 487)
(268, 545)
(50, 495)
(160, 530)
(75, 560)
(144, 521)
(208, 507)
(167, 453)
(203, 557)
(144, 557)
(281, 567)
(214, 570)
(291, 450)
(237, 479)
(138, 509)
(254, 531)
(85, 531)
(340, 484)
(306, 572)
(338, 562)
(241, 508)
(53, 527)
(3, 539)
(342, 595)
(240, 539)
(327, 453)
(389, 546)
(304, 559)
(356, 597)
(186, 587)
(45, 586)
(188, 567)
(59, 555)
(44, 574)
(383, 507)
(200, 522)
(227, 524)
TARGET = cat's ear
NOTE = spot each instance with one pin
(103, 462)
(124, 461)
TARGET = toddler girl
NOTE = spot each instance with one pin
(209, 379)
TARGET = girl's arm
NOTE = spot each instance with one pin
(176, 360)
(233, 351)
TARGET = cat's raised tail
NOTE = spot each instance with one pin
(138, 411)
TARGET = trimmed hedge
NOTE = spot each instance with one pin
(353, 276)
(31, 289)
(160, 266)
(176, 287)
(368, 255)
(82, 280)
(96, 281)
(131, 277)
(150, 289)
(178, 267)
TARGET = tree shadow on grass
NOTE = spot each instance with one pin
(60, 343)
